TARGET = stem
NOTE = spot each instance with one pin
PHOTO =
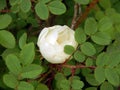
(76, 12)
(5, 11)
(85, 14)
(76, 66)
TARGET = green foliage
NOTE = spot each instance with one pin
(91, 80)
(100, 74)
(13, 64)
(101, 38)
(56, 7)
(2, 4)
(31, 71)
(91, 88)
(77, 84)
(80, 36)
(69, 49)
(42, 13)
(25, 5)
(80, 57)
(105, 3)
(25, 86)
(27, 54)
(5, 20)
(106, 86)
(42, 87)
(90, 26)
(94, 64)
(88, 49)
(22, 40)
(7, 39)
(82, 1)
(89, 62)
(10, 80)
(112, 76)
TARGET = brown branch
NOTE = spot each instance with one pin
(76, 66)
(4, 11)
(76, 11)
(85, 14)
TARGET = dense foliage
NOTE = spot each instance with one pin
(95, 64)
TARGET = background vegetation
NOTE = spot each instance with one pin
(96, 62)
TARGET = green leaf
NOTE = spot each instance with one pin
(7, 39)
(98, 48)
(15, 8)
(41, 86)
(99, 14)
(86, 71)
(42, 10)
(91, 80)
(64, 84)
(90, 26)
(22, 40)
(14, 51)
(80, 36)
(106, 86)
(25, 86)
(77, 84)
(105, 23)
(100, 74)
(59, 76)
(10, 80)
(67, 71)
(13, 64)
(117, 27)
(25, 5)
(82, 1)
(105, 3)
(91, 88)
(101, 38)
(88, 49)
(27, 54)
(57, 7)
(14, 2)
(114, 58)
(5, 20)
(112, 76)
(102, 58)
(79, 56)
(31, 71)
(44, 1)
(89, 62)
(114, 17)
(68, 49)
(2, 4)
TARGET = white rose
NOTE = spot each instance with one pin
(52, 40)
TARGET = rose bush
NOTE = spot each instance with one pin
(52, 40)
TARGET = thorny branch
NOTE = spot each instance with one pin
(77, 66)
(85, 14)
(76, 13)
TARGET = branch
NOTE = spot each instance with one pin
(4, 11)
(76, 66)
(85, 14)
(76, 12)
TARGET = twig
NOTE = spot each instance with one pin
(85, 14)
(76, 66)
(5, 11)
(76, 11)
(43, 76)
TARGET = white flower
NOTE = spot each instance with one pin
(52, 40)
